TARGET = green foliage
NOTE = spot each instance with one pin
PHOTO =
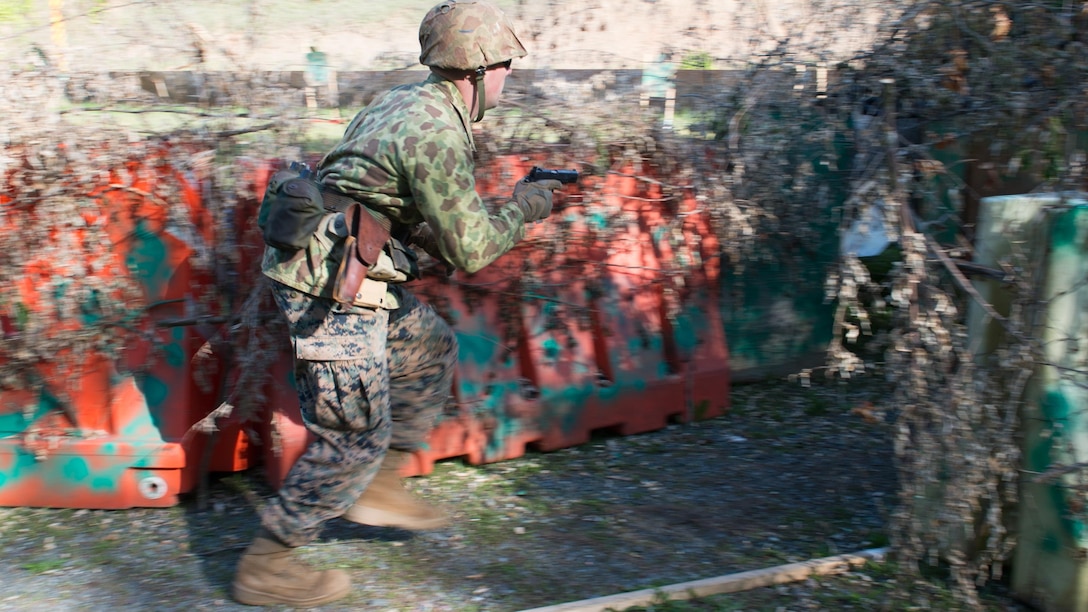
(817, 405)
(880, 266)
(14, 10)
(42, 566)
(662, 603)
(879, 539)
(880, 571)
(700, 60)
(97, 8)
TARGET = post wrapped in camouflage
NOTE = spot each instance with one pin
(467, 35)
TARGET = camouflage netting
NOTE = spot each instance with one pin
(949, 99)
(81, 187)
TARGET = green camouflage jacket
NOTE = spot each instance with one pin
(408, 155)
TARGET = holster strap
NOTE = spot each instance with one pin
(364, 244)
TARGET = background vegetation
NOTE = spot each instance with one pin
(934, 105)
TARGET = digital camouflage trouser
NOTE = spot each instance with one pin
(368, 380)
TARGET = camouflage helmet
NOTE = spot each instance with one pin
(467, 35)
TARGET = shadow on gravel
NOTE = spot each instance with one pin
(219, 532)
(789, 474)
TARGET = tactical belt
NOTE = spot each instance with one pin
(336, 201)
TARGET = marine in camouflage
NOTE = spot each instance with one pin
(410, 155)
(373, 379)
(368, 380)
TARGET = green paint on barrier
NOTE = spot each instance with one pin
(470, 388)
(75, 469)
(155, 390)
(505, 425)
(548, 309)
(147, 259)
(23, 466)
(64, 473)
(565, 405)
(1063, 232)
(551, 348)
(147, 425)
(621, 387)
(609, 393)
(1056, 406)
(12, 423)
(687, 330)
(91, 309)
(175, 356)
(597, 221)
(59, 290)
(17, 422)
(1056, 409)
(76, 472)
(475, 348)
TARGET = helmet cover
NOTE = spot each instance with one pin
(467, 35)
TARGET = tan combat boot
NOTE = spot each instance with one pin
(386, 503)
(267, 575)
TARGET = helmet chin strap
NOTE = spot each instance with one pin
(477, 77)
(481, 96)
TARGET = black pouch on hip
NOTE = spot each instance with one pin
(291, 210)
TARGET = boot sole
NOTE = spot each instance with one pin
(251, 597)
(383, 518)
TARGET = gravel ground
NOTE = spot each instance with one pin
(788, 474)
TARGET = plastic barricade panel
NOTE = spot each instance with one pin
(113, 431)
(582, 327)
(558, 358)
(700, 332)
(481, 425)
(42, 463)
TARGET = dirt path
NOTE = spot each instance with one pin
(788, 475)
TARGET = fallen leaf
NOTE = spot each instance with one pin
(866, 411)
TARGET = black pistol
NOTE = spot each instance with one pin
(542, 174)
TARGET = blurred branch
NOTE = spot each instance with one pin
(162, 110)
(94, 11)
(1054, 473)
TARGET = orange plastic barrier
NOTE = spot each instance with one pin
(113, 431)
(605, 318)
(581, 328)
